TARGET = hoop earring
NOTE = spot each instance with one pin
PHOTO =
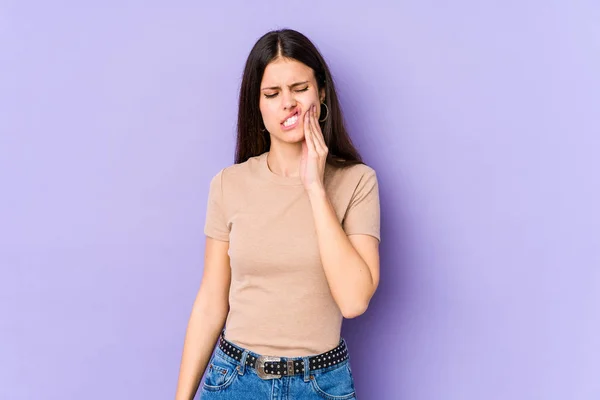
(326, 114)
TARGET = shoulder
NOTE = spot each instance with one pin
(235, 174)
(360, 170)
(351, 175)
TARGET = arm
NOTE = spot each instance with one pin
(207, 319)
(351, 263)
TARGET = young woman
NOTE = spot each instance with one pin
(292, 241)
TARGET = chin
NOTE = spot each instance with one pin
(293, 136)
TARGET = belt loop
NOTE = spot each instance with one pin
(242, 366)
(306, 369)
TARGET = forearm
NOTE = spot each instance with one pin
(201, 336)
(348, 275)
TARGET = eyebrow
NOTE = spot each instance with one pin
(291, 86)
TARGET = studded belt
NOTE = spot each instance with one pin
(269, 367)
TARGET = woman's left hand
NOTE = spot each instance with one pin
(314, 152)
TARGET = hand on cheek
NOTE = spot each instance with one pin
(314, 152)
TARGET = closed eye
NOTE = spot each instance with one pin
(270, 96)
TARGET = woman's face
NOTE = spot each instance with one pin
(287, 91)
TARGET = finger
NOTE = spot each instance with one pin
(308, 135)
(318, 134)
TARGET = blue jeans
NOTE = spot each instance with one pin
(229, 379)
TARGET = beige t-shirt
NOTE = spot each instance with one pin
(280, 301)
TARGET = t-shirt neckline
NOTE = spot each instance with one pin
(273, 177)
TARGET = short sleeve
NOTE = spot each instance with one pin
(363, 214)
(216, 222)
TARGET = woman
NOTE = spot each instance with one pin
(292, 241)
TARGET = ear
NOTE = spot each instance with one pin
(322, 95)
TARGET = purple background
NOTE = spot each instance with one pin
(482, 121)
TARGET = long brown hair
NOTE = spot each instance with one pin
(252, 139)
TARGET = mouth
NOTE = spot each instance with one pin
(291, 121)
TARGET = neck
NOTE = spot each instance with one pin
(284, 159)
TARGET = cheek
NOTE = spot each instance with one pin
(267, 112)
(309, 99)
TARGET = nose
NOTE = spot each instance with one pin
(288, 100)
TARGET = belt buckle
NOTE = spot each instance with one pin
(260, 367)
